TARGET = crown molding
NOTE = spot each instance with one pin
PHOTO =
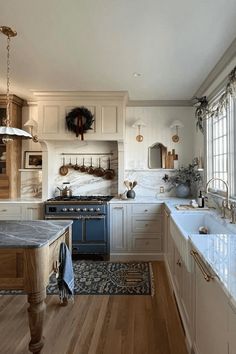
(159, 103)
(77, 95)
(225, 60)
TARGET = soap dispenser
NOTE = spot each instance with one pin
(200, 200)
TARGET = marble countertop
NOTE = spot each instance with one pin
(172, 201)
(219, 254)
(21, 201)
(30, 234)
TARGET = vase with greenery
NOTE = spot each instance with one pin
(182, 179)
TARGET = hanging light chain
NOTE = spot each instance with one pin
(7, 122)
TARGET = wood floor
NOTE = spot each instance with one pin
(99, 324)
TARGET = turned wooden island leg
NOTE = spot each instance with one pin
(36, 313)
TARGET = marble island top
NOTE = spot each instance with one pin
(219, 254)
(30, 234)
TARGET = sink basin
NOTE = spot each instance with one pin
(189, 223)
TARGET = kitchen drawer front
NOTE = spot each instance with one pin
(146, 244)
(146, 209)
(148, 225)
(10, 212)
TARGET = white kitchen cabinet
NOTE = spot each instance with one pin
(180, 278)
(211, 324)
(108, 109)
(232, 329)
(32, 211)
(118, 220)
(136, 229)
(21, 211)
(10, 211)
(145, 228)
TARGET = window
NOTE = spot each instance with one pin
(220, 148)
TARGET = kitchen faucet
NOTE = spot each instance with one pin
(225, 203)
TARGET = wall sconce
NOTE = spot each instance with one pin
(139, 123)
(176, 124)
(32, 124)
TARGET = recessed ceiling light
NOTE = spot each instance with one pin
(136, 74)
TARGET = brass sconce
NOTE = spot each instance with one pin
(176, 124)
(139, 123)
(32, 124)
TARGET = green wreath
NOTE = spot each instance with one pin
(79, 120)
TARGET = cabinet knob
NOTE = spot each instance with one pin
(146, 210)
(4, 210)
(146, 225)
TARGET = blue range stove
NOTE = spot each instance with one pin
(90, 229)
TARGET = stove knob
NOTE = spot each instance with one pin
(85, 209)
(64, 209)
(91, 209)
(77, 209)
(71, 209)
(98, 209)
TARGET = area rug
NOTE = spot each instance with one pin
(107, 278)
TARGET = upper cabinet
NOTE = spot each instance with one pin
(108, 109)
(10, 154)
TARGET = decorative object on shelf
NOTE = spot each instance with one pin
(139, 123)
(130, 186)
(176, 124)
(33, 159)
(7, 132)
(182, 179)
(171, 160)
(3, 156)
(33, 125)
(79, 120)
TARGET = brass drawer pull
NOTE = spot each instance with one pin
(197, 259)
(179, 263)
(4, 210)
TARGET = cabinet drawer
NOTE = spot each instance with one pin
(10, 212)
(146, 209)
(147, 244)
(146, 225)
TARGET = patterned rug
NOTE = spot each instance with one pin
(107, 278)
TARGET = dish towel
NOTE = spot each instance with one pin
(65, 278)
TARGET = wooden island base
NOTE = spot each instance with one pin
(29, 269)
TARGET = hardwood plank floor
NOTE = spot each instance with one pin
(99, 324)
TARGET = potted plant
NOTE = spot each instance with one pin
(183, 178)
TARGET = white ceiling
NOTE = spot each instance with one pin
(99, 44)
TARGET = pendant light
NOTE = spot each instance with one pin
(8, 133)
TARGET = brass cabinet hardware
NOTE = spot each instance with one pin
(199, 262)
(118, 208)
(179, 263)
(3, 210)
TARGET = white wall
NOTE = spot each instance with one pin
(158, 120)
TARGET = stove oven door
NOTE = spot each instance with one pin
(89, 236)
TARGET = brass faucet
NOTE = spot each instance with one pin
(225, 203)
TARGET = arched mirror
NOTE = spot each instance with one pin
(157, 156)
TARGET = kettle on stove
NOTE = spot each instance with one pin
(66, 190)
